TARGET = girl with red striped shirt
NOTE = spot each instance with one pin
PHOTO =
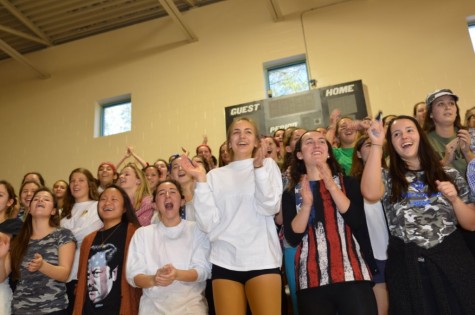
(324, 216)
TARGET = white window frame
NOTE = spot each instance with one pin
(271, 66)
(101, 109)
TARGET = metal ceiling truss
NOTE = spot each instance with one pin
(31, 25)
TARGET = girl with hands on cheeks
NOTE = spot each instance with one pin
(324, 217)
(169, 259)
(423, 203)
(235, 205)
(41, 259)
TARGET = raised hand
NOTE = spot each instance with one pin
(326, 174)
(260, 154)
(450, 151)
(306, 192)
(464, 140)
(376, 132)
(196, 170)
(335, 116)
(130, 151)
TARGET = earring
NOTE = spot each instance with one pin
(328, 157)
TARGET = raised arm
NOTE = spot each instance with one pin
(339, 198)
(268, 183)
(300, 222)
(142, 162)
(207, 214)
(372, 186)
(331, 130)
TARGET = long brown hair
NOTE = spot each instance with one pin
(10, 211)
(429, 161)
(429, 124)
(298, 168)
(287, 158)
(357, 163)
(20, 243)
(69, 201)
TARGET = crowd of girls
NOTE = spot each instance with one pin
(364, 217)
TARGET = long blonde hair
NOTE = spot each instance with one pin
(142, 190)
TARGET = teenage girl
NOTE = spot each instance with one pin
(235, 205)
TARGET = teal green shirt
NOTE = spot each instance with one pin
(344, 156)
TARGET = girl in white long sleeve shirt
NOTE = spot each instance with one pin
(235, 205)
(169, 259)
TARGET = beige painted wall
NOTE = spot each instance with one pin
(400, 49)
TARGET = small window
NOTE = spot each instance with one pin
(471, 31)
(116, 116)
(287, 78)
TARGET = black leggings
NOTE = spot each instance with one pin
(350, 298)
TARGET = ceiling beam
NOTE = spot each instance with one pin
(23, 35)
(175, 14)
(20, 16)
(191, 3)
(275, 10)
(20, 58)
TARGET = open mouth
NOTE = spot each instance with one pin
(168, 205)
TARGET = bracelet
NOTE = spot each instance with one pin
(259, 166)
(376, 144)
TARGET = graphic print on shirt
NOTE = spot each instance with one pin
(422, 218)
(102, 272)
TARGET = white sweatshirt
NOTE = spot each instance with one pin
(185, 247)
(236, 207)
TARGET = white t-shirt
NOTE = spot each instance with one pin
(84, 220)
(377, 228)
